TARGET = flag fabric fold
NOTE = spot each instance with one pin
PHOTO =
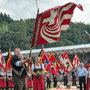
(51, 22)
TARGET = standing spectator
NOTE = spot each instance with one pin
(37, 72)
(55, 80)
(29, 81)
(82, 76)
(48, 80)
(73, 77)
(65, 76)
(88, 79)
(10, 83)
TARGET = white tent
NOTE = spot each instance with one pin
(70, 49)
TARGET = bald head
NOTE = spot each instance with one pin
(81, 65)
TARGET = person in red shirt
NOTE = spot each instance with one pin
(88, 80)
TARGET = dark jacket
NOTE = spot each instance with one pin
(18, 68)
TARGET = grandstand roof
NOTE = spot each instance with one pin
(69, 49)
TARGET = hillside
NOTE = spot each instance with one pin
(18, 33)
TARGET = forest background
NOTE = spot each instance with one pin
(18, 33)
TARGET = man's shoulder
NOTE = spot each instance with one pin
(85, 68)
(14, 59)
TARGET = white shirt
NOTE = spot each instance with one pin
(17, 63)
(37, 67)
(82, 72)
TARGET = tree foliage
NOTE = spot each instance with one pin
(18, 33)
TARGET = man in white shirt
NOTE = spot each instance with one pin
(82, 72)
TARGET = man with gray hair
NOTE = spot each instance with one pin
(82, 72)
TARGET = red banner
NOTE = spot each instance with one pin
(49, 24)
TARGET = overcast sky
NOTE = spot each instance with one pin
(23, 9)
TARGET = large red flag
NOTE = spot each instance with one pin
(49, 23)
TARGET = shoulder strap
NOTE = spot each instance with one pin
(34, 66)
(18, 73)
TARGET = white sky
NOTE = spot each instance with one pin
(23, 9)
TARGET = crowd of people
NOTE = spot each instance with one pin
(19, 78)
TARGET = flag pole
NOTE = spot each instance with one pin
(37, 7)
(38, 13)
(6, 81)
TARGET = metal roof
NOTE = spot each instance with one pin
(70, 49)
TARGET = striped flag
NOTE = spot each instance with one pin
(51, 22)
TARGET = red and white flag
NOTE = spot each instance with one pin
(76, 61)
(1, 57)
(49, 23)
(1, 61)
(68, 66)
